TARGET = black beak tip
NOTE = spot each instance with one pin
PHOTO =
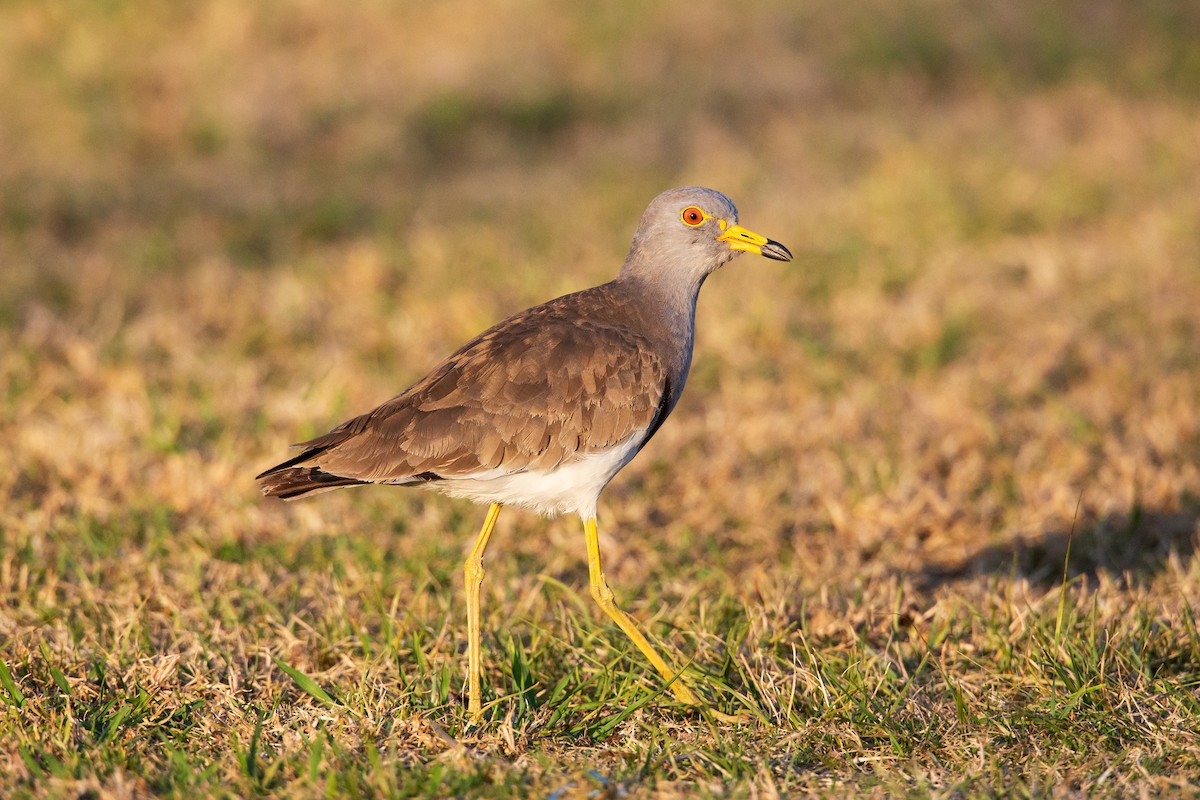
(774, 250)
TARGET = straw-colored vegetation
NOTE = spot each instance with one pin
(927, 511)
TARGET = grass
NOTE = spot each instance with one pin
(951, 553)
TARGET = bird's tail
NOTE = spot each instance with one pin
(289, 482)
(294, 482)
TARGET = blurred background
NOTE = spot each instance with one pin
(223, 226)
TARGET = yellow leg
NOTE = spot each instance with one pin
(604, 597)
(473, 574)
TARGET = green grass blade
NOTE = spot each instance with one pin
(15, 697)
(306, 683)
(56, 674)
(1062, 592)
(30, 762)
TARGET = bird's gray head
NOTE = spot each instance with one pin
(687, 233)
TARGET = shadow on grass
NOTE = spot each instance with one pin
(1136, 545)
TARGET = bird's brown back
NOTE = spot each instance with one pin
(550, 384)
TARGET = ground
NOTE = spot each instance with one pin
(926, 514)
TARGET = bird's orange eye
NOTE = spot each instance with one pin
(692, 216)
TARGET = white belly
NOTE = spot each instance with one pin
(573, 487)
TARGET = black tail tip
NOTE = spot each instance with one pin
(289, 483)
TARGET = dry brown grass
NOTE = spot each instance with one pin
(222, 230)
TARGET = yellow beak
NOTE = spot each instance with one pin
(739, 238)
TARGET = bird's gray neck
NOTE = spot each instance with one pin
(673, 284)
(667, 313)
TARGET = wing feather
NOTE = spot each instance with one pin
(540, 389)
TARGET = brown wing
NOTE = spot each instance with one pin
(531, 393)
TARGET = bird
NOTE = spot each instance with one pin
(543, 409)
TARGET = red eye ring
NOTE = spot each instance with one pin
(692, 216)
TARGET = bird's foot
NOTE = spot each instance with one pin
(686, 696)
